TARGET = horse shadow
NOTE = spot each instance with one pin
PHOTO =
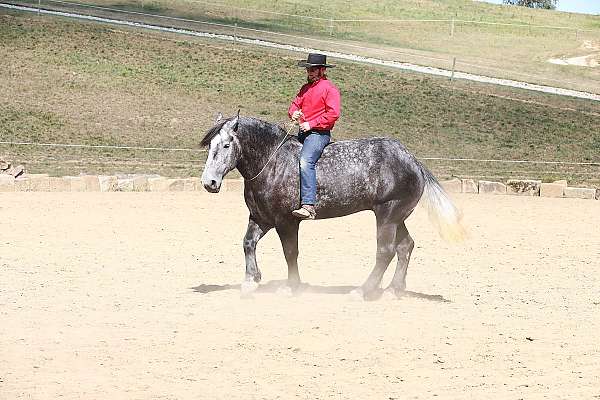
(275, 285)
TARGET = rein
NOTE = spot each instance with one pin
(287, 133)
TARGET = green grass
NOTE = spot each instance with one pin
(15, 120)
(71, 82)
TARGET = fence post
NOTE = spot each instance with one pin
(330, 26)
(39, 7)
(235, 33)
(452, 28)
(453, 66)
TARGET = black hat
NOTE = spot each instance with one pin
(315, 60)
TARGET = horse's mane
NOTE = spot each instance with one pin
(214, 131)
(252, 125)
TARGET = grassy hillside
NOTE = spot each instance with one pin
(509, 51)
(71, 82)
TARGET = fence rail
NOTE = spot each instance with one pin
(97, 146)
(167, 149)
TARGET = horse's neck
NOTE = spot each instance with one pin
(256, 151)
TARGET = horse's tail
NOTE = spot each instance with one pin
(442, 212)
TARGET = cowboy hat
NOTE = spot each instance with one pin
(315, 60)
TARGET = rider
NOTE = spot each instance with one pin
(315, 108)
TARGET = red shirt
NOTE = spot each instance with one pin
(319, 102)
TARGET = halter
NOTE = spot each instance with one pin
(287, 133)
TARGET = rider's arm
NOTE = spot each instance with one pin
(296, 103)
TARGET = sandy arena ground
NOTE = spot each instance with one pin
(136, 296)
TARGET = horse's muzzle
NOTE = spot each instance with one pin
(212, 186)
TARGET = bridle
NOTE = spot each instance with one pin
(287, 133)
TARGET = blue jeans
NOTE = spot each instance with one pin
(313, 143)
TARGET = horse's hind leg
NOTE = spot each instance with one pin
(404, 248)
(253, 234)
(386, 249)
(288, 234)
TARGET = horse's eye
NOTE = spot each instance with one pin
(226, 145)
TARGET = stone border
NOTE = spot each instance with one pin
(155, 183)
(106, 183)
(109, 183)
(520, 187)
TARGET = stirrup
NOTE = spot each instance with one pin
(305, 212)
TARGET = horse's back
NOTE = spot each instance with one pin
(380, 159)
(360, 173)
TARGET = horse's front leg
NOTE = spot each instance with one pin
(254, 233)
(288, 234)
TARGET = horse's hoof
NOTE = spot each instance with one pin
(247, 288)
(285, 291)
(356, 295)
(389, 294)
(392, 294)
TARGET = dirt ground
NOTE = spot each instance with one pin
(136, 296)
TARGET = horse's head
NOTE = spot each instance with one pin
(223, 152)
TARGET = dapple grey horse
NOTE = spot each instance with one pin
(377, 174)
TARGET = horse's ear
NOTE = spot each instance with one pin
(237, 121)
(219, 117)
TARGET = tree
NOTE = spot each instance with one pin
(545, 4)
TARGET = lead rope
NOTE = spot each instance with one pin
(287, 133)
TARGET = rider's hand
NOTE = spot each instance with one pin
(305, 126)
(296, 114)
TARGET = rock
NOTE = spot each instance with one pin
(488, 187)
(15, 171)
(22, 184)
(77, 183)
(158, 184)
(108, 183)
(175, 185)
(452, 185)
(133, 183)
(38, 183)
(552, 190)
(4, 165)
(125, 185)
(140, 184)
(523, 187)
(192, 184)
(469, 186)
(597, 194)
(92, 183)
(56, 184)
(580, 193)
